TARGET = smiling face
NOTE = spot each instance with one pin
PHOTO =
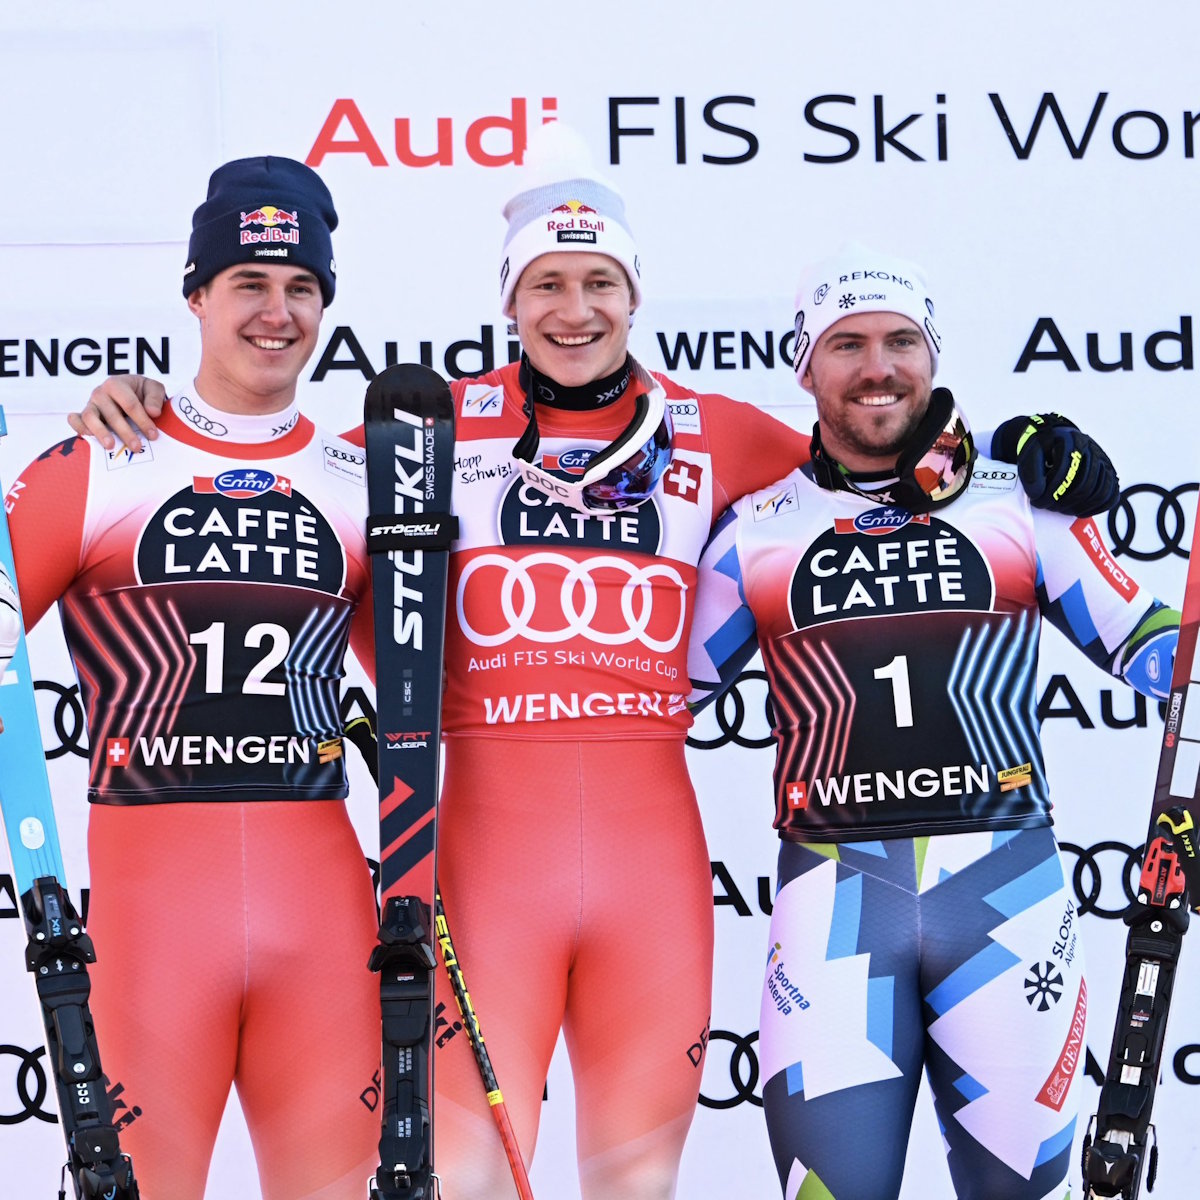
(572, 310)
(871, 376)
(258, 327)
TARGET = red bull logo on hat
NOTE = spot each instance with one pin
(573, 206)
(272, 220)
(269, 215)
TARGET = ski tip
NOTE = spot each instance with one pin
(412, 387)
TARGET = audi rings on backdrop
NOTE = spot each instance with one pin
(1129, 527)
(743, 1070)
(32, 1086)
(68, 722)
(739, 722)
(1105, 893)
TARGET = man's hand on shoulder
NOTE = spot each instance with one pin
(123, 407)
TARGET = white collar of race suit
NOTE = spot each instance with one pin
(233, 427)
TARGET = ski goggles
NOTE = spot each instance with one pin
(624, 474)
(942, 469)
(936, 466)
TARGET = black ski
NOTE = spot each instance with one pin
(409, 417)
(59, 949)
(1120, 1144)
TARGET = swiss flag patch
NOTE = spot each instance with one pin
(796, 794)
(683, 480)
(116, 752)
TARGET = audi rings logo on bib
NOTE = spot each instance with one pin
(549, 598)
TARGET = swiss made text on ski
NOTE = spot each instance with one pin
(410, 458)
(58, 950)
(1120, 1142)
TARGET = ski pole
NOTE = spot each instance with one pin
(482, 1059)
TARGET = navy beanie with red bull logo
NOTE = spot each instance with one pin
(263, 210)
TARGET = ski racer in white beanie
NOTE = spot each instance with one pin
(564, 204)
(858, 280)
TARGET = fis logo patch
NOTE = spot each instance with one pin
(482, 400)
(117, 460)
(776, 503)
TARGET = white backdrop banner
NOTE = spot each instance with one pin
(1039, 161)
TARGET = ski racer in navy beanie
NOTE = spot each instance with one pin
(239, 530)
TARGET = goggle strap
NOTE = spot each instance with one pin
(527, 445)
(648, 415)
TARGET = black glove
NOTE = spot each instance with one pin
(1060, 466)
(361, 732)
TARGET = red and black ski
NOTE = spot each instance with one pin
(409, 417)
(362, 734)
(1120, 1144)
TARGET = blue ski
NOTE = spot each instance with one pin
(59, 949)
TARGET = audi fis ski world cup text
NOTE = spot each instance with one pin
(721, 130)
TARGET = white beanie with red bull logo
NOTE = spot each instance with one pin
(857, 280)
(564, 205)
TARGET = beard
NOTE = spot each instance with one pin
(852, 431)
